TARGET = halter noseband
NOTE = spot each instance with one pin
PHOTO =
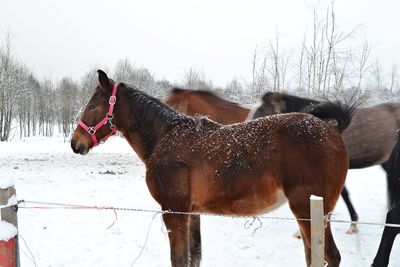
(108, 118)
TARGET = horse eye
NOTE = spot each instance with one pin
(91, 106)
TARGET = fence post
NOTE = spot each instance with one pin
(317, 231)
(9, 249)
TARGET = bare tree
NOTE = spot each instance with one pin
(195, 79)
(301, 63)
(88, 82)
(260, 80)
(376, 75)
(25, 103)
(394, 76)
(162, 88)
(361, 60)
(275, 70)
(233, 90)
(123, 70)
(139, 77)
(12, 86)
(47, 105)
(67, 93)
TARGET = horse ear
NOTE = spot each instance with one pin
(103, 79)
(266, 97)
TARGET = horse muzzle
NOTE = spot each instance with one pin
(79, 148)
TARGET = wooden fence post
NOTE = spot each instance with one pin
(317, 231)
(9, 249)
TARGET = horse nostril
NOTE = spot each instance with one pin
(83, 150)
(74, 148)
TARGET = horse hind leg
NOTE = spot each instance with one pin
(353, 214)
(389, 234)
(178, 234)
(195, 241)
(332, 255)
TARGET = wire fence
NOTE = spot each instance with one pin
(33, 204)
(45, 205)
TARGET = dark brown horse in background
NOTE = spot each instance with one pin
(393, 215)
(369, 139)
(196, 165)
(199, 102)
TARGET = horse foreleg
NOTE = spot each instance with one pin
(388, 236)
(178, 233)
(195, 241)
(353, 214)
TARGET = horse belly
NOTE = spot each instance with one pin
(241, 200)
(250, 206)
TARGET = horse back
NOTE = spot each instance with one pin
(178, 100)
(371, 135)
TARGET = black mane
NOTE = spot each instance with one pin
(296, 103)
(152, 108)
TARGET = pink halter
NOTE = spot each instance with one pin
(108, 118)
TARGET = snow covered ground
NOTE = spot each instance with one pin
(45, 169)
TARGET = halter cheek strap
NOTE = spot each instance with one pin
(107, 119)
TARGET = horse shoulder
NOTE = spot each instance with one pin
(169, 180)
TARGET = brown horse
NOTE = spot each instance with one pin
(196, 165)
(369, 139)
(199, 102)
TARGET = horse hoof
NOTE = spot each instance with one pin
(352, 230)
(297, 234)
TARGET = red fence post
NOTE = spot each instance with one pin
(9, 250)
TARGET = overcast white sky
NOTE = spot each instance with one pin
(64, 38)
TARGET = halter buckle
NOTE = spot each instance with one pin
(112, 100)
(91, 130)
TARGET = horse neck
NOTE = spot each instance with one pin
(143, 120)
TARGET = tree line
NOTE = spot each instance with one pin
(29, 106)
(327, 63)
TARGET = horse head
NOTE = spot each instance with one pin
(271, 103)
(98, 113)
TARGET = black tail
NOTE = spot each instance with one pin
(337, 111)
(393, 174)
